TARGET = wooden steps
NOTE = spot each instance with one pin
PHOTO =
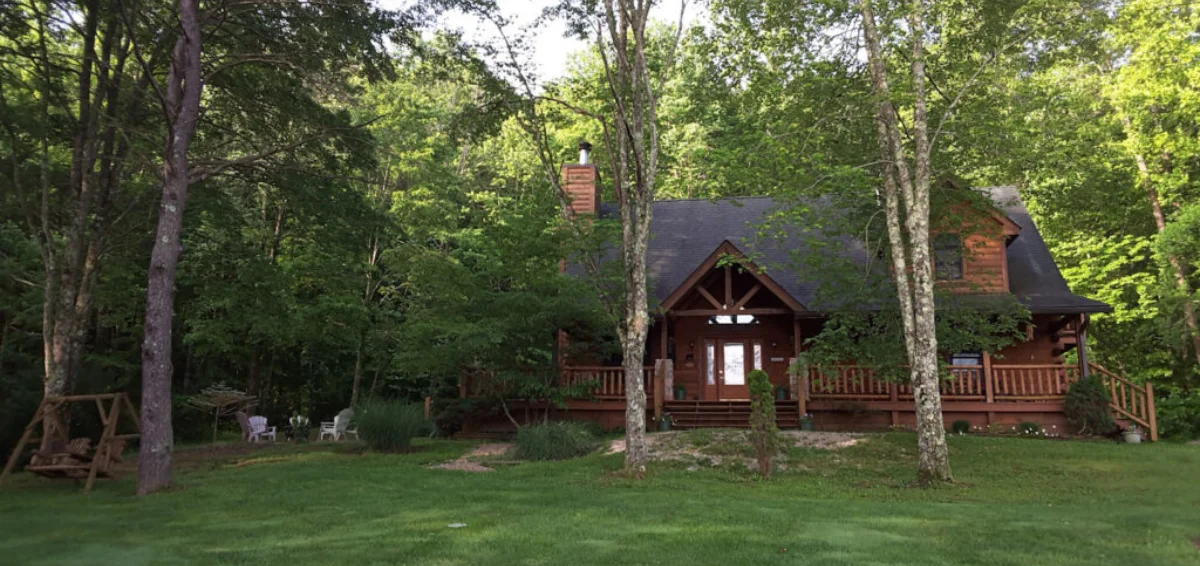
(725, 414)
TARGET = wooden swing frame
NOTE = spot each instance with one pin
(55, 432)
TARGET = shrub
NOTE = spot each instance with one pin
(1030, 428)
(960, 427)
(555, 440)
(1179, 414)
(763, 432)
(450, 415)
(1086, 407)
(389, 426)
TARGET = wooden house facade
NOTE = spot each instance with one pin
(726, 303)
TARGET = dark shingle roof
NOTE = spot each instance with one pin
(686, 232)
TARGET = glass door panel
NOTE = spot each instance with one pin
(735, 363)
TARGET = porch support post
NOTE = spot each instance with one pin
(797, 337)
(660, 371)
(1082, 336)
(798, 378)
(663, 338)
(989, 385)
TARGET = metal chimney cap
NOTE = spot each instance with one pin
(585, 146)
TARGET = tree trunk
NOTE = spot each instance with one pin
(635, 165)
(71, 272)
(906, 197)
(1160, 223)
(182, 104)
(358, 366)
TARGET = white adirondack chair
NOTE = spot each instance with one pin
(338, 428)
(259, 429)
(328, 429)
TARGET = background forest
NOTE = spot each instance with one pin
(375, 220)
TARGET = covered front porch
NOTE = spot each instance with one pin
(852, 397)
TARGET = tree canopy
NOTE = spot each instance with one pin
(370, 216)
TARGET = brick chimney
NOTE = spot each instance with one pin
(581, 181)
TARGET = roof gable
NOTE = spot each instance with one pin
(727, 248)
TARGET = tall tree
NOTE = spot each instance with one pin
(906, 204)
(181, 103)
(1153, 93)
(71, 141)
(619, 29)
(633, 144)
(299, 51)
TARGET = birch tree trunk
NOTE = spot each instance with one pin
(906, 205)
(635, 166)
(632, 137)
(182, 104)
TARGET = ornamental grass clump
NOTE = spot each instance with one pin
(390, 426)
(763, 432)
(556, 440)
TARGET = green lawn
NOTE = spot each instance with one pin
(1017, 501)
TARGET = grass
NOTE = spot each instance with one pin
(1017, 501)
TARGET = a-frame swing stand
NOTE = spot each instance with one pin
(60, 456)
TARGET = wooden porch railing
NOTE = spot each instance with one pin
(1130, 401)
(967, 383)
(1047, 382)
(609, 381)
(988, 383)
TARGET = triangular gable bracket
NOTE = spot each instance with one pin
(730, 305)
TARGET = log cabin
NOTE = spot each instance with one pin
(716, 321)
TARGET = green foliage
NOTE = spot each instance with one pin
(555, 440)
(763, 432)
(1179, 414)
(960, 427)
(391, 425)
(1087, 406)
(452, 413)
(1029, 428)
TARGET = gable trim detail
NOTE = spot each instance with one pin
(764, 281)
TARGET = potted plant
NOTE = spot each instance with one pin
(680, 392)
(665, 422)
(1133, 434)
(806, 421)
(299, 427)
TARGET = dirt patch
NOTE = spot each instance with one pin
(490, 449)
(821, 440)
(468, 462)
(722, 447)
(462, 465)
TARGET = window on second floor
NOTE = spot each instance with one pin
(947, 257)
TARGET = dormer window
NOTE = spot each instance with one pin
(947, 257)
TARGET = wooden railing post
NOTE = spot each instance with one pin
(894, 396)
(1150, 416)
(988, 380)
(660, 370)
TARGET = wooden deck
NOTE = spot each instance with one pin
(855, 397)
